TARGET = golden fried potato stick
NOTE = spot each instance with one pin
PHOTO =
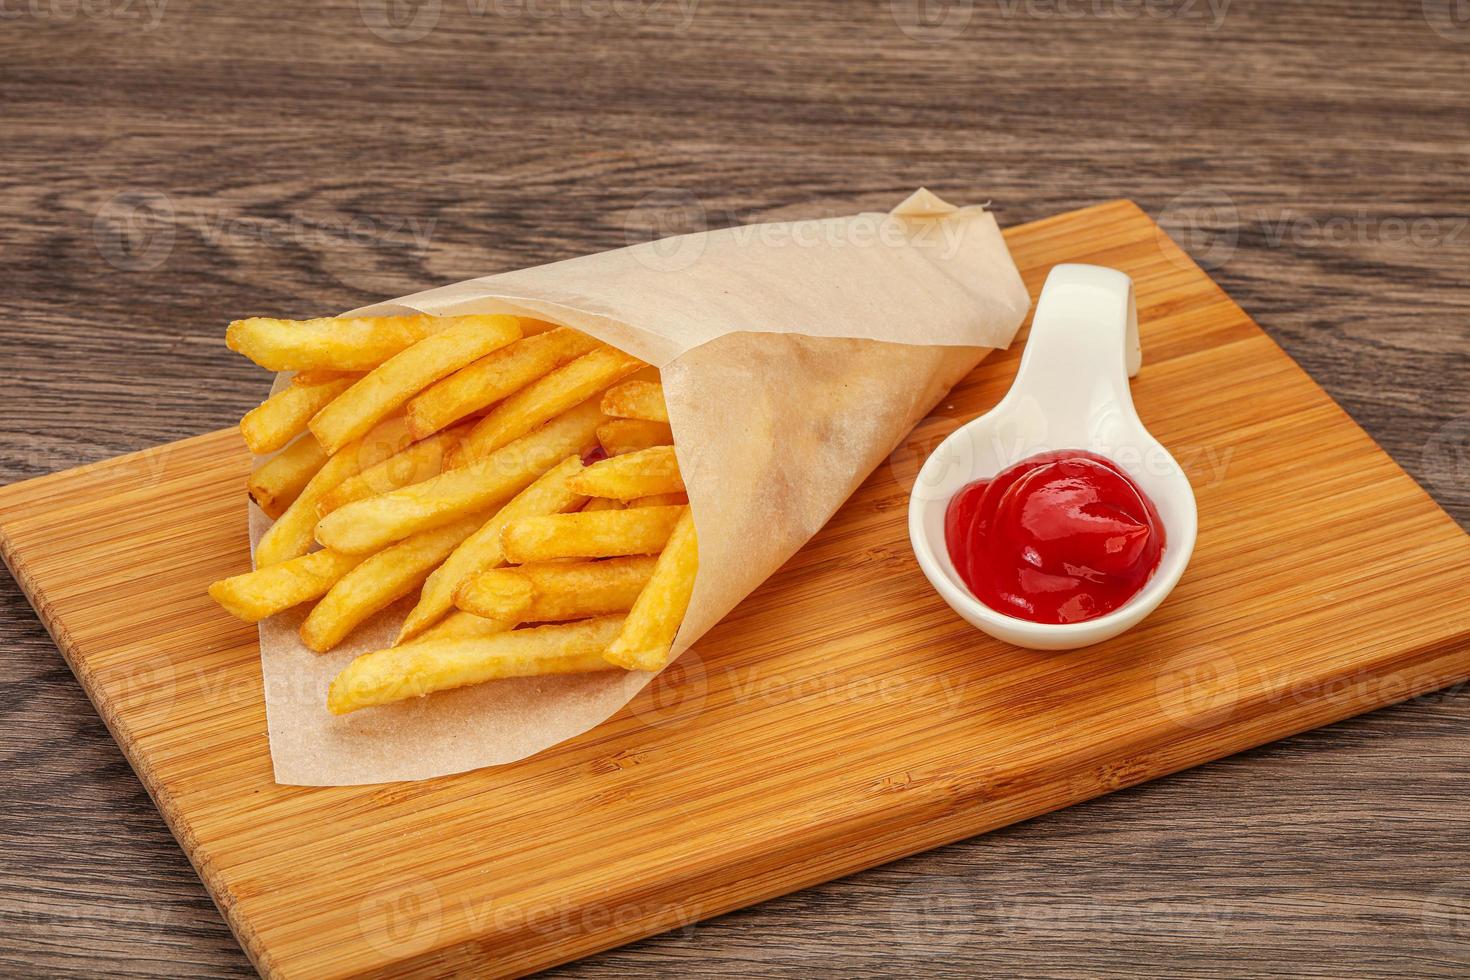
(632, 475)
(290, 536)
(283, 416)
(462, 626)
(648, 633)
(636, 400)
(481, 550)
(421, 461)
(379, 581)
(602, 503)
(334, 343)
(266, 591)
(630, 435)
(589, 534)
(322, 377)
(416, 669)
(404, 375)
(278, 481)
(661, 500)
(557, 591)
(493, 377)
(367, 525)
(570, 384)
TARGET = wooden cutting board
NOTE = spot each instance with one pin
(840, 718)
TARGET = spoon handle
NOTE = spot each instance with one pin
(1083, 346)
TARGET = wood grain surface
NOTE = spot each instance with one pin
(166, 168)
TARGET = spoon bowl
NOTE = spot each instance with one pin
(1071, 392)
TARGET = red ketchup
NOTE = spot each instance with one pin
(1061, 537)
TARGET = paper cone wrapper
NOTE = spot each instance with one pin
(795, 357)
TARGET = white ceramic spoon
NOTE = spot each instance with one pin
(1071, 392)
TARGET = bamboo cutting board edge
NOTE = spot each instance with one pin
(217, 889)
(953, 813)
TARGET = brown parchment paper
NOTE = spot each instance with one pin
(795, 356)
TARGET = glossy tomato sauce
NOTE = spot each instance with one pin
(1061, 537)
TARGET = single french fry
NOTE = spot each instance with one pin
(336, 343)
(648, 633)
(266, 591)
(462, 626)
(493, 377)
(553, 592)
(602, 503)
(632, 475)
(421, 461)
(621, 436)
(481, 551)
(661, 500)
(283, 416)
(379, 581)
(417, 669)
(278, 481)
(589, 534)
(290, 536)
(500, 593)
(636, 400)
(404, 375)
(367, 525)
(322, 377)
(555, 393)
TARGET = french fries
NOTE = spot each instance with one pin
(547, 398)
(266, 591)
(463, 626)
(283, 416)
(492, 378)
(420, 461)
(416, 669)
(399, 378)
(329, 344)
(368, 525)
(446, 455)
(291, 535)
(550, 494)
(648, 633)
(637, 400)
(556, 591)
(620, 436)
(278, 481)
(589, 534)
(632, 475)
(660, 500)
(379, 581)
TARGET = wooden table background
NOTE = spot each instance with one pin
(166, 166)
